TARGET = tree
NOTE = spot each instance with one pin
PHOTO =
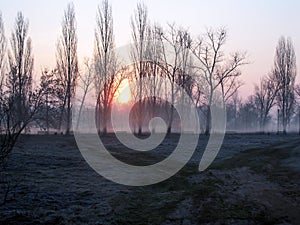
(53, 98)
(153, 56)
(18, 102)
(217, 70)
(178, 41)
(108, 78)
(86, 82)
(139, 24)
(67, 62)
(19, 82)
(265, 96)
(285, 73)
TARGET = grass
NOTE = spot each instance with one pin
(159, 200)
(210, 195)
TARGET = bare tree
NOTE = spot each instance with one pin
(179, 42)
(285, 73)
(139, 24)
(18, 102)
(108, 77)
(184, 78)
(19, 82)
(215, 68)
(53, 99)
(87, 80)
(152, 69)
(265, 96)
(67, 61)
(46, 86)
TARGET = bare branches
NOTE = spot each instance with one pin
(19, 82)
(18, 102)
(265, 95)
(139, 26)
(87, 80)
(67, 61)
(215, 69)
(104, 31)
(107, 78)
(285, 73)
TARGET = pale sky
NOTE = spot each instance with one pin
(253, 26)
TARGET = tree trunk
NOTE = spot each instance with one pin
(172, 105)
(208, 121)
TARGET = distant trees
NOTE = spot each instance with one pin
(248, 114)
(67, 62)
(278, 88)
(233, 108)
(265, 95)
(199, 66)
(284, 74)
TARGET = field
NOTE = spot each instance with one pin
(254, 180)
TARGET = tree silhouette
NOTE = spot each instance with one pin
(285, 74)
(67, 62)
(107, 77)
(20, 59)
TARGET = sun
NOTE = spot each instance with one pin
(124, 95)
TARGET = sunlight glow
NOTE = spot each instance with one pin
(124, 95)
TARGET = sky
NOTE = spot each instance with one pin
(253, 26)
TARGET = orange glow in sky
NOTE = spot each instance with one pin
(123, 94)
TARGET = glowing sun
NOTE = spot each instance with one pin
(124, 95)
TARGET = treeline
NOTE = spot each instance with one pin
(275, 91)
(199, 66)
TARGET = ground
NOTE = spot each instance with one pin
(254, 180)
